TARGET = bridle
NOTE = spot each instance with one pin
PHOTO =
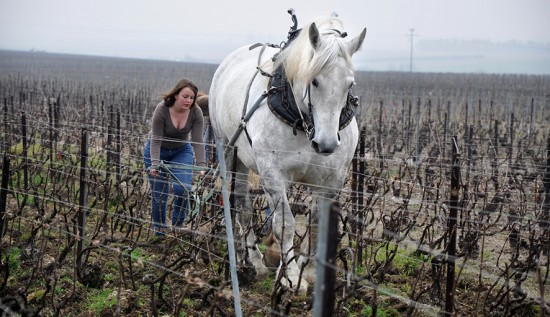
(308, 125)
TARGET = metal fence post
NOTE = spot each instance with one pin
(229, 229)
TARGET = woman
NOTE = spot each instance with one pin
(174, 142)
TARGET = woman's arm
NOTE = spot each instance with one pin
(197, 131)
(157, 134)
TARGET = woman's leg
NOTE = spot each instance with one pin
(159, 193)
(183, 160)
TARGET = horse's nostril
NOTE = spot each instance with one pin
(322, 150)
(315, 146)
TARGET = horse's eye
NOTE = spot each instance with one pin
(314, 82)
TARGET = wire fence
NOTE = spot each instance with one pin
(445, 210)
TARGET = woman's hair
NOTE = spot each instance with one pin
(169, 97)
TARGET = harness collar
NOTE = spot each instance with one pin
(280, 98)
(282, 104)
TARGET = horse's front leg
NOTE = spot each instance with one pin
(323, 205)
(308, 247)
(249, 251)
(284, 227)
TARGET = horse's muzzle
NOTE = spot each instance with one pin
(326, 147)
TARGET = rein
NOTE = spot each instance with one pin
(309, 126)
(247, 115)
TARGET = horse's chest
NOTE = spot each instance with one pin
(303, 167)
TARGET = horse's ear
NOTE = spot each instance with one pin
(355, 44)
(314, 35)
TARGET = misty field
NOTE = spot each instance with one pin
(447, 202)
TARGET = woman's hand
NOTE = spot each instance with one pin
(152, 171)
(202, 171)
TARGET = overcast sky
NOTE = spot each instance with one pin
(208, 30)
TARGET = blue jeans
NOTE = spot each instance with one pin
(160, 186)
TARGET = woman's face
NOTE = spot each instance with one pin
(185, 98)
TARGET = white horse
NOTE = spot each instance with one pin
(315, 149)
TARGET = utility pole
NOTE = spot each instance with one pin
(411, 38)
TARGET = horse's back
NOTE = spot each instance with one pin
(231, 85)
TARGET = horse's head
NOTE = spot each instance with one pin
(318, 66)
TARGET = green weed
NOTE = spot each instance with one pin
(100, 300)
(380, 312)
(14, 260)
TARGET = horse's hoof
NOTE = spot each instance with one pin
(271, 261)
(262, 272)
(303, 287)
(247, 275)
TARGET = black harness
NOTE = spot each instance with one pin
(280, 98)
(283, 105)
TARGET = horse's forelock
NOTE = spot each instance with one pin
(301, 60)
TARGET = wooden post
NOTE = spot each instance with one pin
(509, 149)
(451, 227)
(324, 295)
(4, 193)
(531, 119)
(417, 139)
(360, 194)
(25, 151)
(466, 110)
(429, 136)
(403, 133)
(83, 197)
(118, 146)
(479, 115)
(545, 223)
(379, 138)
(445, 130)
(51, 130)
(7, 135)
(109, 145)
(494, 163)
(409, 132)
(354, 191)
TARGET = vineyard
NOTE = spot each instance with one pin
(445, 212)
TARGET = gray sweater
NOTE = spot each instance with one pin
(164, 134)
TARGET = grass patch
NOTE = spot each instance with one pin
(380, 312)
(265, 285)
(358, 308)
(14, 260)
(140, 256)
(405, 261)
(100, 300)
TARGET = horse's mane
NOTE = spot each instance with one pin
(302, 61)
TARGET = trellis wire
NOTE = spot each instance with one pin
(485, 140)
